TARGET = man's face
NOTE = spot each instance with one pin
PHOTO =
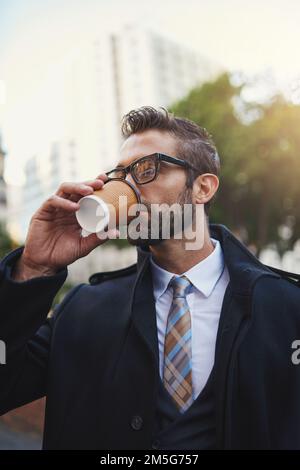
(171, 179)
(170, 185)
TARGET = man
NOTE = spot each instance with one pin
(187, 349)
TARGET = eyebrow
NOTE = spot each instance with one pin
(120, 165)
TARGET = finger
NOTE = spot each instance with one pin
(83, 189)
(95, 184)
(89, 242)
(57, 202)
(107, 234)
(103, 177)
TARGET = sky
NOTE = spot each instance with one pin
(257, 38)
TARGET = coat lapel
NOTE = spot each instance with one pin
(143, 309)
(244, 271)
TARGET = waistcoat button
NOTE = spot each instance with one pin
(136, 423)
(155, 444)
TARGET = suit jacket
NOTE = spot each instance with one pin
(96, 358)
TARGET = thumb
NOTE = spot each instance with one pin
(88, 243)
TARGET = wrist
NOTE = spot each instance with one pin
(25, 269)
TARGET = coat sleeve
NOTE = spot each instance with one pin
(25, 333)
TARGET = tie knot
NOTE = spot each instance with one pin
(181, 286)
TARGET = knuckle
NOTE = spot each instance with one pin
(63, 186)
(51, 198)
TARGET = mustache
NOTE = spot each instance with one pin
(146, 204)
(150, 206)
(184, 197)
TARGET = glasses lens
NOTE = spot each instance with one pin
(118, 173)
(144, 170)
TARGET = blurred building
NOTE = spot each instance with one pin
(153, 70)
(43, 177)
(116, 73)
(100, 82)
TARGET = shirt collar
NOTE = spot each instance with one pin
(204, 275)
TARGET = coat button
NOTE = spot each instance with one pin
(155, 444)
(136, 423)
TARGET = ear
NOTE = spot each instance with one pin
(204, 188)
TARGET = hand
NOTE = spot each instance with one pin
(54, 237)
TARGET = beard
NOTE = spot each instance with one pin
(154, 219)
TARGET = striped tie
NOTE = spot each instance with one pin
(178, 350)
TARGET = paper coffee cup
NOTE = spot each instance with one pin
(105, 205)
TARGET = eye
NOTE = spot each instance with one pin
(145, 170)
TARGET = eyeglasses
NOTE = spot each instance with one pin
(146, 169)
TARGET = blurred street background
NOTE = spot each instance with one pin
(69, 71)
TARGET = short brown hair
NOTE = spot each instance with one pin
(194, 143)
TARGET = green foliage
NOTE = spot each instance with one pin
(260, 161)
(67, 286)
(119, 243)
(6, 243)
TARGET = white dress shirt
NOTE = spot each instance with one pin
(209, 278)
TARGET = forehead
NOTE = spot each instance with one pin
(146, 143)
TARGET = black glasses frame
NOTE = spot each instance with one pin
(159, 157)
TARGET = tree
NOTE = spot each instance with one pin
(260, 160)
(6, 243)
